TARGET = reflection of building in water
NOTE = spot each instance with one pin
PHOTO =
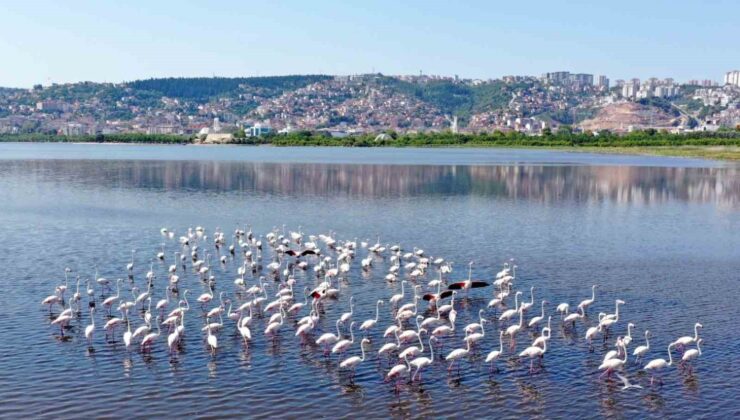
(620, 184)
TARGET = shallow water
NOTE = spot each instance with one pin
(659, 233)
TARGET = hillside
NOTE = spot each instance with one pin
(623, 116)
(351, 104)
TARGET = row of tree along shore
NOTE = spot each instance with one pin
(563, 138)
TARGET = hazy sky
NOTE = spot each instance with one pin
(61, 41)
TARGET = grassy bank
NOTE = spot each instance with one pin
(718, 145)
(100, 138)
(703, 152)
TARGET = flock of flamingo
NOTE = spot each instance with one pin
(266, 297)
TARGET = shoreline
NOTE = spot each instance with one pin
(719, 153)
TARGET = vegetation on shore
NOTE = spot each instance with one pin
(99, 138)
(713, 145)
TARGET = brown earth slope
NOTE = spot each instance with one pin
(622, 116)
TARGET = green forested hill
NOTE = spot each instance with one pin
(204, 88)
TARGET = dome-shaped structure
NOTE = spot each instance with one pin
(383, 137)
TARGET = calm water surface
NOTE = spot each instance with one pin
(663, 234)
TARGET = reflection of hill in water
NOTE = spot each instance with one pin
(542, 183)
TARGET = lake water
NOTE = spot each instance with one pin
(663, 234)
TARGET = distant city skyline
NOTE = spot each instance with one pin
(50, 42)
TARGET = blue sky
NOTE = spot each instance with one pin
(63, 41)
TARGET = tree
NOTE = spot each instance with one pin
(565, 130)
(547, 131)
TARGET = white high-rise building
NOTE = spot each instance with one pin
(602, 82)
(630, 88)
(732, 78)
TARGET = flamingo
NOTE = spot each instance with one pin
(206, 297)
(615, 315)
(388, 348)
(108, 302)
(212, 341)
(627, 339)
(162, 303)
(456, 355)
(62, 320)
(526, 305)
(476, 325)
(509, 313)
(296, 307)
(469, 283)
(173, 338)
(514, 329)
(574, 317)
(411, 335)
(608, 320)
(51, 300)
(495, 354)
(447, 307)
(641, 350)
(127, 334)
(686, 340)
(421, 362)
(370, 323)
(532, 352)
(563, 309)
(446, 329)
(590, 334)
(342, 345)
(587, 302)
(90, 329)
(328, 338)
(477, 336)
(130, 266)
(304, 329)
(540, 341)
(692, 354)
(608, 366)
(348, 315)
(274, 327)
(141, 330)
(246, 333)
(536, 320)
(352, 362)
(432, 320)
(614, 353)
(656, 365)
(398, 370)
(398, 296)
(111, 326)
(413, 351)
